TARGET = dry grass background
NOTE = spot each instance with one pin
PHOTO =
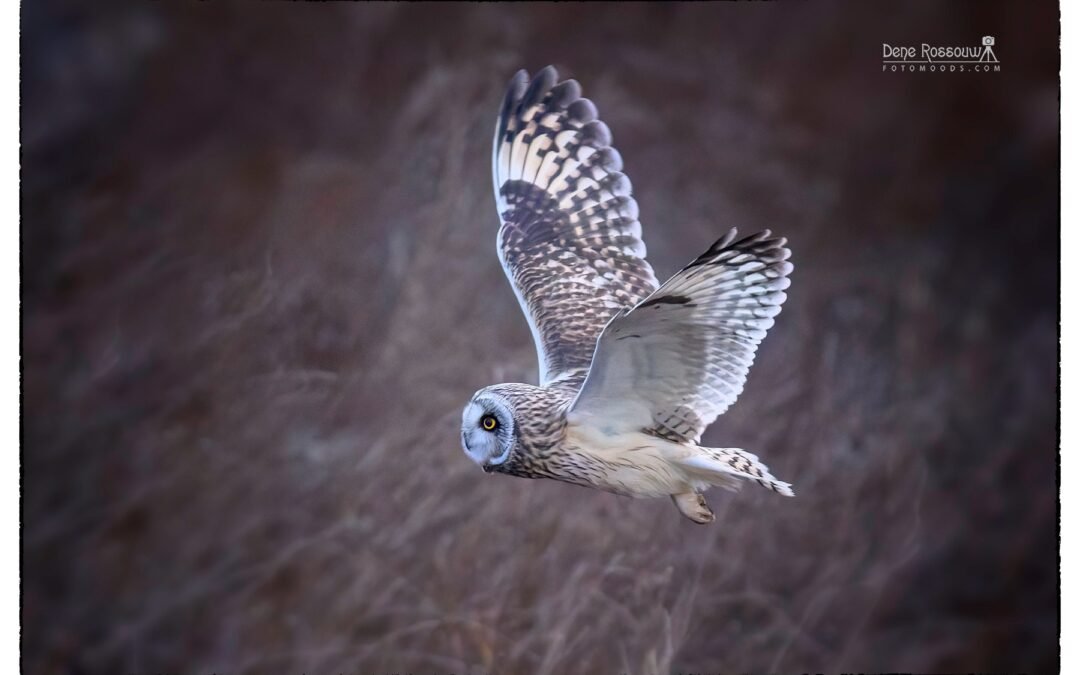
(259, 283)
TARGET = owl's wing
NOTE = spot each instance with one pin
(677, 360)
(570, 240)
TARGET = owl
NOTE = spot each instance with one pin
(631, 371)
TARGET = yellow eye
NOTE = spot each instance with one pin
(488, 422)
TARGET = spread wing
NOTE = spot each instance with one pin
(570, 240)
(679, 359)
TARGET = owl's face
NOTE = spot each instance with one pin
(487, 431)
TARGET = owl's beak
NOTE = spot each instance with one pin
(488, 468)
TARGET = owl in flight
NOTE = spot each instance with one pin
(631, 371)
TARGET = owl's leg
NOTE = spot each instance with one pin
(693, 506)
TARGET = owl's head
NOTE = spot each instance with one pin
(487, 430)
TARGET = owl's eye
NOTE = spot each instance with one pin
(489, 423)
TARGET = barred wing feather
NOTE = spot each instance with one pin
(679, 358)
(570, 240)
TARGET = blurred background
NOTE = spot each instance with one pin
(259, 283)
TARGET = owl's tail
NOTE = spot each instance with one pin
(728, 467)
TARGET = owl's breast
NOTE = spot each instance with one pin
(631, 464)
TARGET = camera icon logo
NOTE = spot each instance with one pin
(988, 55)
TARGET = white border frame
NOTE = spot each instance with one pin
(1070, 303)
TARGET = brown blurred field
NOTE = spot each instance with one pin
(259, 283)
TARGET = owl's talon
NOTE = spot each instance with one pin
(693, 506)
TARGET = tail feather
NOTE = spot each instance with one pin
(717, 466)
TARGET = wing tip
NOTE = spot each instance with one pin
(549, 71)
(541, 84)
(515, 89)
(565, 93)
(596, 134)
(772, 251)
(582, 111)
